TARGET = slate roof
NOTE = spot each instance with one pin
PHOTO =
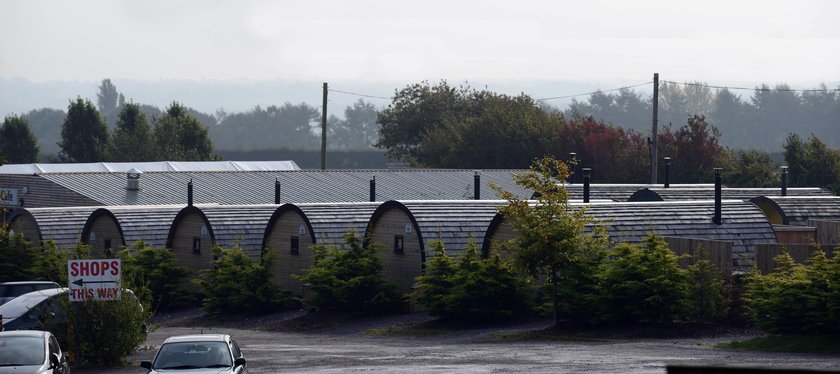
(330, 221)
(744, 224)
(240, 226)
(147, 223)
(454, 223)
(62, 225)
(257, 187)
(727, 193)
(797, 210)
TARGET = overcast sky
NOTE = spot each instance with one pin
(717, 42)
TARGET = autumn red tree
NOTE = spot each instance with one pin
(615, 155)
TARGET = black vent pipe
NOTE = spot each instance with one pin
(572, 163)
(718, 219)
(373, 188)
(784, 180)
(586, 177)
(277, 191)
(667, 173)
(190, 193)
(477, 186)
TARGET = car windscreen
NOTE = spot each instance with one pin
(20, 305)
(21, 350)
(190, 355)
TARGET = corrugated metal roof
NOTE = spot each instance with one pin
(797, 210)
(304, 186)
(124, 167)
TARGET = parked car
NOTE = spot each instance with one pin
(35, 310)
(11, 290)
(197, 354)
(43, 310)
(31, 352)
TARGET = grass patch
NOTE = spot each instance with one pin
(534, 336)
(404, 331)
(790, 343)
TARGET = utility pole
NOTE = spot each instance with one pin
(324, 130)
(654, 131)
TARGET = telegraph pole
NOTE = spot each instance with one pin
(324, 130)
(654, 131)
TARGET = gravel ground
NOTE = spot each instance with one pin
(300, 343)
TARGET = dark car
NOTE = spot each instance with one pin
(31, 352)
(11, 290)
(35, 310)
(198, 354)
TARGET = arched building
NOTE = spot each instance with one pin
(403, 229)
(63, 226)
(109, 229)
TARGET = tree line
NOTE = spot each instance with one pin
(438, 125)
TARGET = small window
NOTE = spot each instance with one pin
(196, 246)
(108, 250)
(294, 247)
(398, 244)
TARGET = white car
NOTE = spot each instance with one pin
(198, 354)
(31, 352)
(11, 290)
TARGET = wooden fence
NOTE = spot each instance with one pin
(827, 231)
(765, 253)
(716, 251)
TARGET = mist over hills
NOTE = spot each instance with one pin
(18, 96)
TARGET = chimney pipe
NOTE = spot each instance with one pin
(718, 219)
(190, 193)
(784, 180)
(477, 186)
(586, 177)
(667, 172)
(373, 188)
(277, 191)
(133, 179)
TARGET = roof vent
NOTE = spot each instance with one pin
(133, 179)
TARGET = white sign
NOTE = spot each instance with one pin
(94, 279)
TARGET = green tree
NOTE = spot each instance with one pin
(107, 100)
(236, 283)
(349, 280)
(17, 143)
(132, 137)
(357, 131)
(84, 136)
(812, 163)
(180, 137)
(17, 256)
(156, 270)
(551, 236)
(797, 298)
(749, 168)
(46, 126)
(644, 284)
(706, 292)
(470, 289)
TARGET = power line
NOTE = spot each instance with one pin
(594, 92)
(358, 94)
(751, 89)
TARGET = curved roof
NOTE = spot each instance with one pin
(330, 222)
(797, 210)
(619, 192)
(62, 225)
(454, 222)
(743, 223)
(727, 193)
(230, 226)
(147, 223)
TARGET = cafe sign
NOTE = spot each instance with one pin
(9, 197)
